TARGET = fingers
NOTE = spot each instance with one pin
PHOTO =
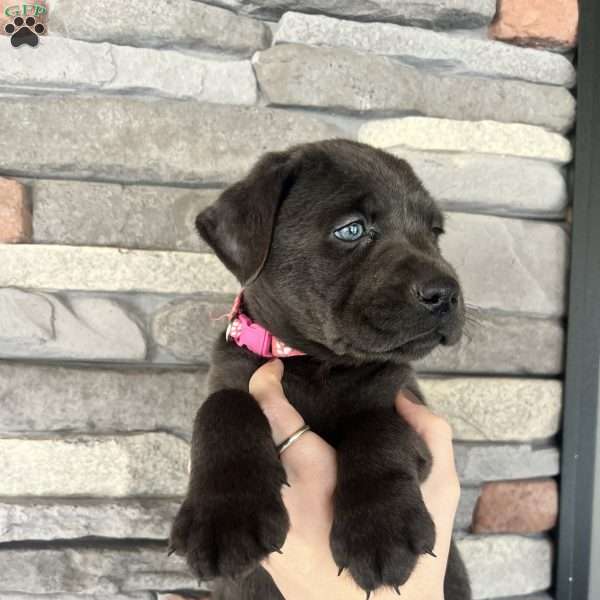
(310, 467)
(309, 456)
(265, 386)
(437, 434)
(441, 489)
(428, 425)
(435, 431)
(442, 486)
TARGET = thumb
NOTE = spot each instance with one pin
(265, 386)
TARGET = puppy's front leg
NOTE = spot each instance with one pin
(381, 524)
(233, 515)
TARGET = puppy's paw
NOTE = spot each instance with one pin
(225, 535)
(379, 531)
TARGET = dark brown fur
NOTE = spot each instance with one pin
(361, 311)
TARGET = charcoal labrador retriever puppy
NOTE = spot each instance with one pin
(336, 246)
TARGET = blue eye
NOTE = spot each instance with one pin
(351, 232)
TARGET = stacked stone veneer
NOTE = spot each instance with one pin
(120, 126)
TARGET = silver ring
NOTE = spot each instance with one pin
(281, 448)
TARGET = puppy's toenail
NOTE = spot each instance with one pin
(397, 590)
(341, 570)
(432, 553)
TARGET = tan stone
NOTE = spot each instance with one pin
(517, 507)
(15, 215)
(506, 409)
(105, 466)
(543, 23)
(507, 565)
(481, 137)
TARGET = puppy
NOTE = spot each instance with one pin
(336, 246)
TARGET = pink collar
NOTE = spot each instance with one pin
(245, 333)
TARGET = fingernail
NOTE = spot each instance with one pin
(408, 395)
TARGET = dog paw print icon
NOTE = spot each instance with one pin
(24, 31)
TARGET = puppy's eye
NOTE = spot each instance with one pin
(437, 231)
(351, 232)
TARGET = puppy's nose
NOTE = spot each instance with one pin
(439, 295)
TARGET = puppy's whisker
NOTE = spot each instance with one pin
(467, 335)
(469, 329)
(473, 314)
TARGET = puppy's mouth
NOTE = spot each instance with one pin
(412, 348)
(422, 343)
(403, 337)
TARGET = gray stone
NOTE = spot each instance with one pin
(177, 75)
(184, 596)
(25, 319)
(439, 14)
(153, 217)
(124, 216)
(484, 183)
(529, 263)
(38, 325)
(466, 506)
(496, 409)
(476, 463)
(541, 596)
(112, 269)
(105, 67)
(188, 328)
(338, 79)
(503, 565)
(42, 596)
(434, 52)
(108, 569)
(147, 464)
(447, 135)
(165, 23)
(43, 398)
(61, 519)
(68, 65)
(502, 344)
(128, 139)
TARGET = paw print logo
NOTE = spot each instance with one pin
(24, 31)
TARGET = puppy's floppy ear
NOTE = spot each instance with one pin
(239, 225)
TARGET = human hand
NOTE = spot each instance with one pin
(306, 570)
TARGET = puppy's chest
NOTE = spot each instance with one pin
(325, 400)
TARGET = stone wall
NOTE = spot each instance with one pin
(123, 126)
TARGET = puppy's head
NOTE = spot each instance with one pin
(336, 243)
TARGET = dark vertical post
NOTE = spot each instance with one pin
(578, 559)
